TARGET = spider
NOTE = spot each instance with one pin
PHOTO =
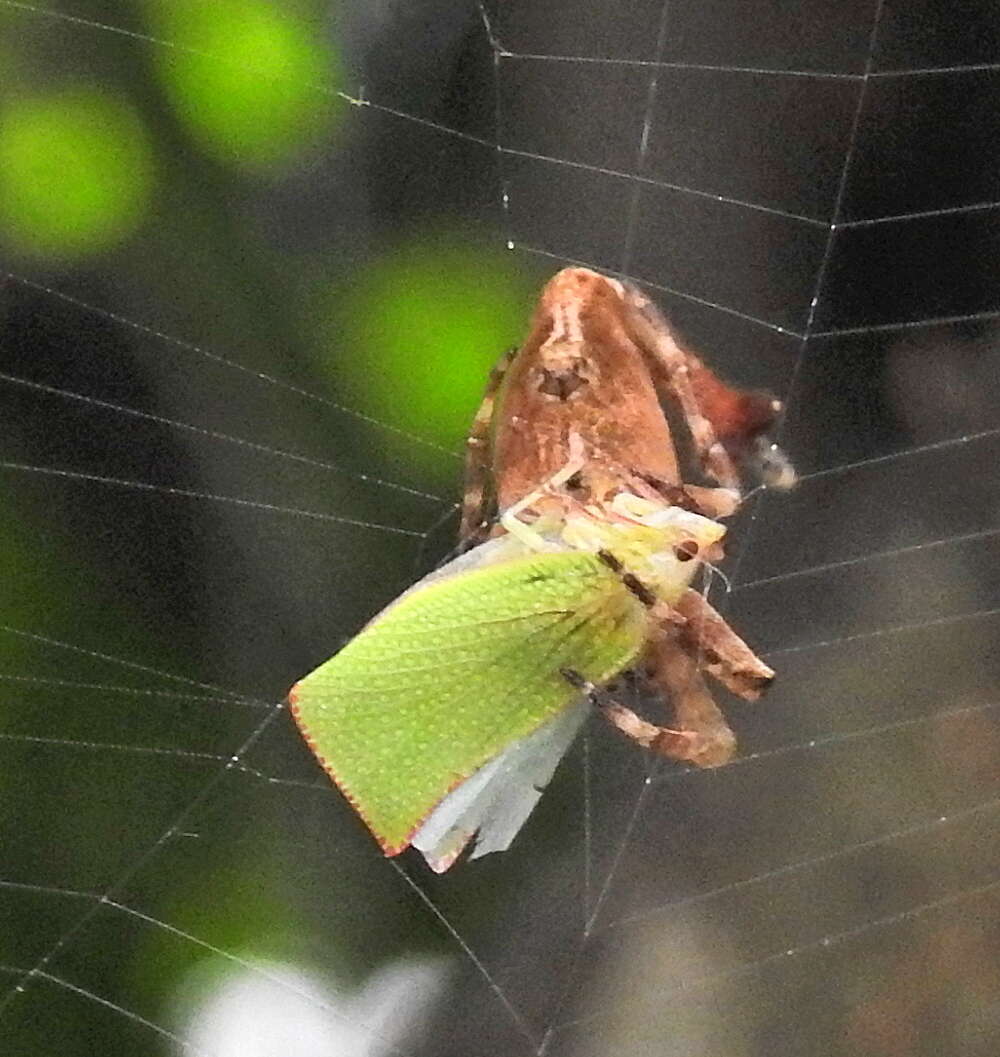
(448, 713)
(590, 374)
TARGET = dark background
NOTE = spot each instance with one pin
(218, 245)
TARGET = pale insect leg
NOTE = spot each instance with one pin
(712, 503)
(511, 521)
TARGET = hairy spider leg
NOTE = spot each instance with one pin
(673, 671)
(693, 637)
(719, 650)
(669, 364)
(671, 665)
(478, 498)
(738, 422)
(674, 744)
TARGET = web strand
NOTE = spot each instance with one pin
(144, 669)
(924, 826)
(694, 299)
(469, 953)
(129, 691)
(821, 271)
(99, 903)
(825, 943)
(638, 180)
(187, 493)
(213, 434)
(46, 958)
(224, 361)
(876, 556)
(643, 147)
(895, 629)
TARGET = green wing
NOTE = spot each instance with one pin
(452, 672)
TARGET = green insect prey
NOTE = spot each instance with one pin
(455, 671)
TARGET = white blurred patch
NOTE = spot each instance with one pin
(282, 1011)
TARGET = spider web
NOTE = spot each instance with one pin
(812, 198)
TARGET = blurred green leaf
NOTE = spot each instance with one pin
(75, 172)
(251, 81)
(422, 329)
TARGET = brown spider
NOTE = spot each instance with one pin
(584, 391)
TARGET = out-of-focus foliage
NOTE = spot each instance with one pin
(429, 321)
(76, 171)
(130, 155)
(250, 80)
(244, 896)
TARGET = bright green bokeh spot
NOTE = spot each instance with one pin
(75, 172)
(257, 81)
(423, 329)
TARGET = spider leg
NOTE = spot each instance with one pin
(478, 501)
(718, 650)
(675, 744)
(696, 638)
(671, 365)
(743, 421)
(673, 671)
